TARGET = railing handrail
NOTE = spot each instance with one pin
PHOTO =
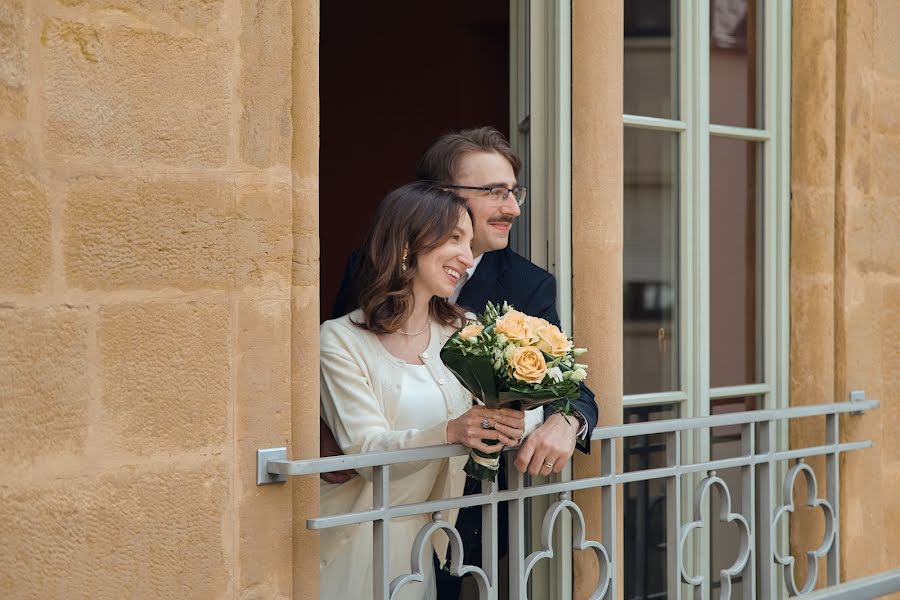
(863, 588)
(314, 466)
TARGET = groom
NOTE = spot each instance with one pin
(480, 166)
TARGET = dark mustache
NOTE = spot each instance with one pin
(501, 220)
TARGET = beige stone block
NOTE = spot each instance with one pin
(266, 46)
(889, 339)
(885, 160)
(131, 96)
(871, 244)
(127, 534)
(165, 370)
(812, 232)
(25, 252)
(812, 344)
(263, 236)
(149, 234)
(13, 59)
(306, 235)
(44, 382)
(891, 495)
(813, 48)
(886, 43)
(193, 14)
(306, 259)
(885, 113)
(263, 420)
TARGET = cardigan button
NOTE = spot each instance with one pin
(441, 381)
(425, 354)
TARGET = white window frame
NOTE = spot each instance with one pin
(541, 133)
(694, 132)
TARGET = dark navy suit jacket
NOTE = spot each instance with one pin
(504, 276)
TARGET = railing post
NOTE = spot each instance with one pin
(768, 586)
(674, 559)
(748, 508)
(608, 506)
(381, 550)
(833, 473)
(517, 584)
(489, 532)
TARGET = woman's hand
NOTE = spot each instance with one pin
(507, 427)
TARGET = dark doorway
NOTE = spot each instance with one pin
(395, 75)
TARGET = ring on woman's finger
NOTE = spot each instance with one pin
(485, 424)
(549, 465)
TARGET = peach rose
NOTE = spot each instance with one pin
(471, 330)
(536, 323)
(553, 341)
(528, 364)
(514, 325)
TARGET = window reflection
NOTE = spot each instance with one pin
(650, 300)
(645, 508)
(735, 57)
(735, 262)
(650, 59)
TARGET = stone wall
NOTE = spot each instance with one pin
(845, 252)
(148, 230)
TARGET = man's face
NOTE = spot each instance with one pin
(493, 220)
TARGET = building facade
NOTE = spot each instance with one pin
(715, 185)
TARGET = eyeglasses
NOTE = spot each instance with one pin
(498, 193)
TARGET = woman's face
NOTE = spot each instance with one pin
(439, 269)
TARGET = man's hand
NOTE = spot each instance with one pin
(328, 446)
(550, 444)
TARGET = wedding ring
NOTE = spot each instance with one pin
(549, 465)
(485, 424)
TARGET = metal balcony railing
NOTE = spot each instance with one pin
(764, 570)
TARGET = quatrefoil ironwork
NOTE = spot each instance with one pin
(421, 547)
(812, 501)
(725, 516)
(578, 543)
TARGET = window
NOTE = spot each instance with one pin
(706, 158)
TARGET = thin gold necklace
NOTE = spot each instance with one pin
(419, 332)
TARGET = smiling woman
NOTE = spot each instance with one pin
(384, 386)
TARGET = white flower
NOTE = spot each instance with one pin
(578, 351)
(501, 340)
(578, 375)
(555, 373)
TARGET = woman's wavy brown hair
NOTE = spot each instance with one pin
(419, 216)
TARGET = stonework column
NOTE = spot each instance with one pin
(845, 286)
(813, 83)
(305, 290)
(597, 236)
(867, 281)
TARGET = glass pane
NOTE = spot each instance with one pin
(735, 262)
(651, 82)
(651, 325)
(645, 508)
(735, 63)
(725, 442)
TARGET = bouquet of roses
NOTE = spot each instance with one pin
(506, 358)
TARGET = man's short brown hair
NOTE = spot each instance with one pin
(440, 161)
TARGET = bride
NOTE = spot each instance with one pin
(383, 385)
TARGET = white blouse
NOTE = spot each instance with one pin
(373, 401)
